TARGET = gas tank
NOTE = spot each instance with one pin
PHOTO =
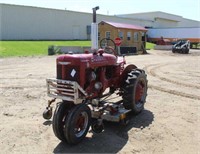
(89, 60)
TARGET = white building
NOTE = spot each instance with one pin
(34, 23)
(162, 19)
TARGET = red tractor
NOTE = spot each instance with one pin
(84, 83)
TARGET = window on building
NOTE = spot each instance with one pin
(136, 36)
(121, 35)
(128, 36)
(108, 34)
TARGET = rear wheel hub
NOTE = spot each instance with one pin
(139, 91)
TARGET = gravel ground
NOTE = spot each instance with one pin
(170, 122)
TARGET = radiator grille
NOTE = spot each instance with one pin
(66, 72)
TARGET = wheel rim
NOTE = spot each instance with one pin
(140, 93)
(81, 124)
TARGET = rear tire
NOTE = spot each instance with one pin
(187, 51)
(135, 91)
(184, 50)
(77, 123)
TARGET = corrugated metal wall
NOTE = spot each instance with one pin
(27, 23)
(1, 22)
(175, 33)
(32, 23)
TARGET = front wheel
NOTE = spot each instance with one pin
(77, 124)
(173, 50)
(135, 90)
(59, 117)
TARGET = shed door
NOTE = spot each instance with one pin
(76, 32)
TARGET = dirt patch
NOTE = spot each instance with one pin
(169, 124)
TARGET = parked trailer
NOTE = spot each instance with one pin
(174, 34)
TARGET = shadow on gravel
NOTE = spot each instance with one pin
(112, 140)
(47, 123)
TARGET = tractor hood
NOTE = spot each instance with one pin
(88, 60)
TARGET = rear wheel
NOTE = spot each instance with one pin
(184, 50)
(77, 123)
(135, 91)
(187, 51)
(60, 114)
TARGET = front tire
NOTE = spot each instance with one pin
(60, 114)
(173, 50)
(135, 91)
(77, 124)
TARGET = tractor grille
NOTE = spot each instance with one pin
(72, 73)
(65, 90)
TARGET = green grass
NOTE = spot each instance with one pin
(33, 48)
(36, 48)
(150, 45)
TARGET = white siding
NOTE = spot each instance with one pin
(174, 33)
(152, 15)
(161, 23)
(162, 19)
(22, 23)
(188, 23)
(32, 23)
(0, 22)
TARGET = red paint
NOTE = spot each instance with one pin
(78, 67)
(139, 92)
(125, 26)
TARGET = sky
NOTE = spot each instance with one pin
(189, 9)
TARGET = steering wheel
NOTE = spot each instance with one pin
(108, 45)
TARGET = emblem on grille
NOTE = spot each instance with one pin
(73, 72)
(64, 63)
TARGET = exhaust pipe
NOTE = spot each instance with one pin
(94, 30)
